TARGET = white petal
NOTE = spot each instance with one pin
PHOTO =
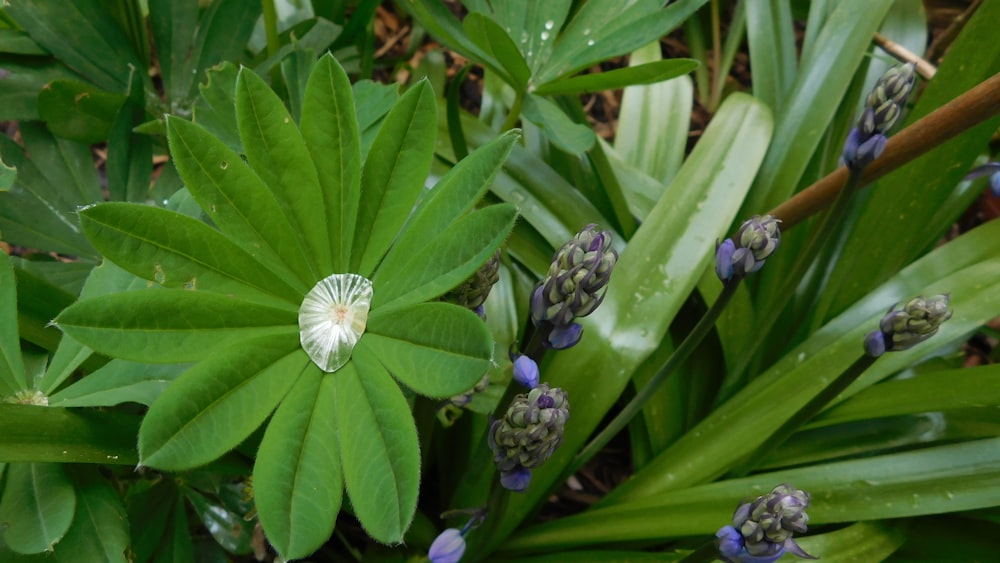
(333, 317)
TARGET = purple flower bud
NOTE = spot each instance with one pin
(724, 259)
(562, 338)
(995, 184)
(875, 343)
(448, 547)
(516, 480)
(526, 371)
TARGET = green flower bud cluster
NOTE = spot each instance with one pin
(745, 253)
(762, 529)
(464, 399)
(530, 430)
(575, 283)
(472, 293)
(904, 328)
(887, 99)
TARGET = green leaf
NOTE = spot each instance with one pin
(7, 176)
(11, 363)
(330, 129)
(393, 175)
(16, 42)
(772, 51)
(118, 382)
(99, 532)
(19, 95)
(648, 73)
(277, 153)
(229, 529)
(447, 260)
(436, 349)
(223, 33)
(442, 24)
(214, 109)
(372, 101)
(177, 251)
(171, 22)
(37, 506)
(296, 69)
(38, 302)
(492, 39)
(298, 483)
(238, 201)
(33, 433)
(378, 449)
(574, 138)
(78, 111)
(453, 196)
(159, 523)
(170, 325)
(216, 404)
(130, 154)
(319, 34)
(67, 166)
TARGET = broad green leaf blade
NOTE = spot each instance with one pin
(712, 448)
(230, 530)
(32, 433)
(927, 481)
(37, 506)
(330, 129)
(296, 68)
(813, 101)
(648, 73)
(968, 388)
(170, 325)
(99, 532)
(7, 176)
(372, 101)
(68, 166)
(223, 32)
(492, 39)
(171, 23)
(657, 271)
(16, 42)
(772, 51)
(454, 195)
(214, 109)
(216, 404)
(277, 153)
(436, 349)
(159, 524)
(574, 138)
(297, 478)
(449, 258)
(434, 16)
(119, 381)
(11, 363)
(78, 111)
(177, 251)
(238, 201)
(378, 449)
(393, 175)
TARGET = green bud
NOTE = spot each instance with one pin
(575, 283)
(530, 430)
(472, 293)
(918, 320)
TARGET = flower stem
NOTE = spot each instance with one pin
(680, 355)
(707, 553)
(273, 41)
(515, 113)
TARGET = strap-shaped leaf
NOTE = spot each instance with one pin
(169, 325)
(11, 363)
(436, 349)
(37, 506)
(491, 38)
(99, 532)
(177, 251)
(562, 131)
(648, 73)
(298, 483)
(277, 153)
(454, 195)
(448, 260)
(237, 200)
(378, 448)
(393, 175)
(330, 129)
(215, 405)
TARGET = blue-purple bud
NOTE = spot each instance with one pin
(526, 371)
(448, 547)
(991, 169)
(562, 338)
(516, 480)
(746, 252)
(883, 107)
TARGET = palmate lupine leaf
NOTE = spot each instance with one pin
(37, 506)
(280, 230)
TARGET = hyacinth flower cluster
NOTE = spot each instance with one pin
(762, 529)
(884, 105)
(904, 327)
(755, 242)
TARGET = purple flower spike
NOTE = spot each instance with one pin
(526, 371)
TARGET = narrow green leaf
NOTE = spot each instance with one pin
(214, 109)
(372, 101)
(330, 129)
(37, 506)
(7, 176)
(177, 251)
(453, 196)
(118, 382)
(38, 302)
(393, 175)
(238, 201)
(772, 51)
(170, 325)
(437, 349)
(378, 449)
(296, 69)
(11, 363)
(648, 73)
(447, 260)
(130, 154)
(16, 42)
(99, 532)
(297, 478)
(229, 529)
(159, 524)
(492, 39)
(216, 404)
(78, 111)
(574, 138)
(66, 165)
(223, 32)
(434, 16)
(534, 25)
(32, 433)
(277, 153)
(171, 22)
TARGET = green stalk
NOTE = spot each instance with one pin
(680, 355)
(273, 41)
(707, 553)
(514, 114)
